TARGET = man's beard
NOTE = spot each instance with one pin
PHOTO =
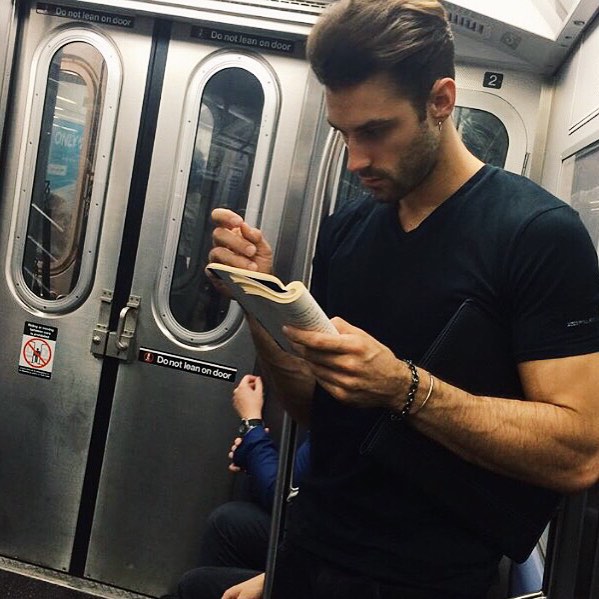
(411, 170)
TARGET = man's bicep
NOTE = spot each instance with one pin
(571, 382)
(570, 386)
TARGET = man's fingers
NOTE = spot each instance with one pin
(225, 256)
(223, 217)
(236, 243)
(233, 240)
(251, 233)
(230, 229)
(316, 341)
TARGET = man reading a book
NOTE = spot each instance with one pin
(459, 401)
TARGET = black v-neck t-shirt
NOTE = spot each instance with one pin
(521, 254)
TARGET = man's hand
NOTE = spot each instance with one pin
(250, 589)
(237, 244)
(354, 367)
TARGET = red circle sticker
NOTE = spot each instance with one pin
(37, 353)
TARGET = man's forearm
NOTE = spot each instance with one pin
(288, 376)
(547, 444)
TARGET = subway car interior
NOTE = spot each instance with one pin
(123, 123)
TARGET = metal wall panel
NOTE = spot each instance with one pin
(46, 427)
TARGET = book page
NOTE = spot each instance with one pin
(295, 307)
(286, 296)
(305, 313)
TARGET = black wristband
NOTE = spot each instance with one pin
(411, 392)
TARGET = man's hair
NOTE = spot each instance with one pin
(408, 40)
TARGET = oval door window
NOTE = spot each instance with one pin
(220, 175)
(229, 118)
(73, 99)
(64, 171)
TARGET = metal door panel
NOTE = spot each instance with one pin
(8, 23)
(46, 424)
(165, 466)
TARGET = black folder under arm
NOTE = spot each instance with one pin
(473, 352)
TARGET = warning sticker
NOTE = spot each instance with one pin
(83, 14)
(37, 350)
(214, 371)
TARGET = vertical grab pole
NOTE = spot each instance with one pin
(282, 491)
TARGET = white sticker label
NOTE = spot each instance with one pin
(37, 350)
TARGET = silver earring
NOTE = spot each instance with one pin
(440, 124)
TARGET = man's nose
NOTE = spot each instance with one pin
(357, 158)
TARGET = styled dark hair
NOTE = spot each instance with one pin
(408, 40)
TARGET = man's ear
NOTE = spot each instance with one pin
(441, 100)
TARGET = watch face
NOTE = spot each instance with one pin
(247, 425)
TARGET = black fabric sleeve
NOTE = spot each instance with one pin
(554, 281)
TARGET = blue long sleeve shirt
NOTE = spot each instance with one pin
(258, 456)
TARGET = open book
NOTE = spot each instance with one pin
(273, 303)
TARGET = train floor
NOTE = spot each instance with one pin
(24, 581)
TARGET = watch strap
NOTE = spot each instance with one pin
(247, 424)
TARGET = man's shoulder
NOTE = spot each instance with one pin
(514, 198)
(506, 185)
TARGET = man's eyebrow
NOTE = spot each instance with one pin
(372, 124)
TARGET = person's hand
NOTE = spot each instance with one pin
(250, 589)
(248, 397)
(235, 243)
(232, 466)
(353, 367)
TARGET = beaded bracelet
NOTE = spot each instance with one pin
(411, 392)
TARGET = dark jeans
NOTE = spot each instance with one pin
(236, 535)
(210, 582)
(233, 549)
(301, 575)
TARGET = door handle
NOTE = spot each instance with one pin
(123, 337)
(118, 344)
(121, 343)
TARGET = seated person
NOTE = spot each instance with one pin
(235, 543)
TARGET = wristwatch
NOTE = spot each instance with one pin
(247, 424)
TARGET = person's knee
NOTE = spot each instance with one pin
(232, 512)
(234, 518)
(223, 514)
(236, 535)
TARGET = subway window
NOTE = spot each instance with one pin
(580, 183)
(220, 173)
(225, 165)
(483, 134)
(74, 96)
(64, 171)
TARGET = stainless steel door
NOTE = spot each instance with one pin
(69, 133)
(219, 141)
(120, 360)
